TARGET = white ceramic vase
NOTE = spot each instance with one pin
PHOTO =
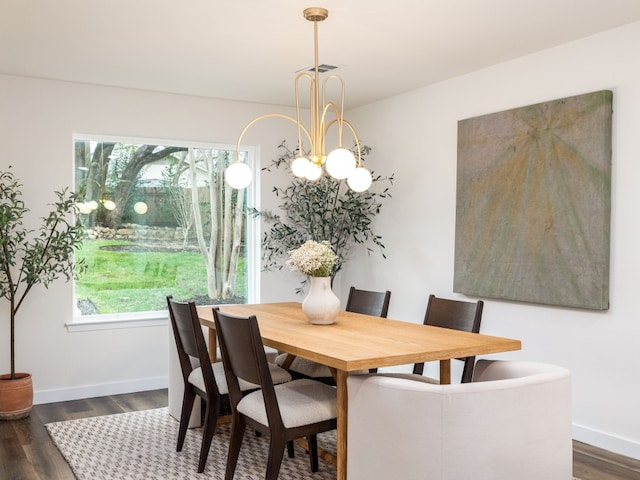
(321, 306)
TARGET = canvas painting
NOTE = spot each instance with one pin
(533, 203)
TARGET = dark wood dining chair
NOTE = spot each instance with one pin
(285, 412)
(367, 302)
(201, 377)
(458, 315)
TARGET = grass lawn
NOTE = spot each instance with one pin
(120, 278)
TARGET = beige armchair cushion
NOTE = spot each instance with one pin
(278, 375)
(301, 402)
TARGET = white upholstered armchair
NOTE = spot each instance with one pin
(512, 422)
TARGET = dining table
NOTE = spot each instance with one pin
(357, 342)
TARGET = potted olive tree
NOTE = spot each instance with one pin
(29, 258)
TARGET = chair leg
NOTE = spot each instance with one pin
(188, 400)
(312, 440)
(210, 420)
(467, 372)
(235, 442)
(203, 409)
(290, 451)
(274, 460)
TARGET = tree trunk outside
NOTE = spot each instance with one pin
(222, 252)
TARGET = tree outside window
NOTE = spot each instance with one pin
(160, 221)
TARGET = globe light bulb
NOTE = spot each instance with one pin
(140, 208)
(299, 166)
(109, 204)
(359, 180)
(340, 163)
(92, 204)
(313, 171)
(238, 175)
(84, 208)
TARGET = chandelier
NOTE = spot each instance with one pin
(340, 163)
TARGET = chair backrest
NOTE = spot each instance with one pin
(516, 423)
(190, 343)
(368, 302)
(244, 357)
(457, 315)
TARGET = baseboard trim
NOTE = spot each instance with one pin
(608, 442)
(101, 390)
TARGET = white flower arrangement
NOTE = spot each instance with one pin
(315, 259)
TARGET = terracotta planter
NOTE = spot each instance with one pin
(16, 396)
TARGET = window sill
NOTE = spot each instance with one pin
(87, 323)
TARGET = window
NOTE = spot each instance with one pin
(161, 221)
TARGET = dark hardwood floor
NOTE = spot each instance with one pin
(591, 463)
(27, 453)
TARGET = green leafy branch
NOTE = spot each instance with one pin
(325, 209)
(32, 257)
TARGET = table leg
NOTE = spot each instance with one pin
(341, 385)
(288, 361)
(445, 372)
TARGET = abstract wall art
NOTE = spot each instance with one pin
(533, 203)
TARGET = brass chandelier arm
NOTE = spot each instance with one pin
(355, 137)
(318, 122)
(339, 114)
(338, 119)
(311, 137)
(262, 117)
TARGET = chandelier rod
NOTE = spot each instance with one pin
(316, 127)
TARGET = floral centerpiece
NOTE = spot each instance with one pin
(317, 259)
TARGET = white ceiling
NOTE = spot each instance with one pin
(250, 49)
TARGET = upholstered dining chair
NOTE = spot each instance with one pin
(285, 412)
(367, 302)
(512, 421)
(458, 315)
(202, 378)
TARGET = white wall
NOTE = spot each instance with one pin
(415, 135)
(37, 121)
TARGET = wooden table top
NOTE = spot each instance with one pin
(356, 341)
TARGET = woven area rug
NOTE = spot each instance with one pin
(142, 445)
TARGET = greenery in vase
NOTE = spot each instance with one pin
(324, 209)
(29, 258)
(313, 259)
